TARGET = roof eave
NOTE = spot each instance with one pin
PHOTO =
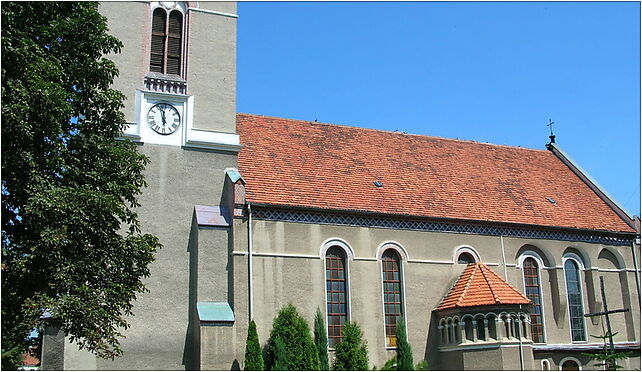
(441, 219)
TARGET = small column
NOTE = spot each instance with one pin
(442, 335)
(486, 330)
(528, 327)
(474, 330)
(462, 332)
(500, 328)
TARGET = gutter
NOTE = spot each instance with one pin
(592, 184)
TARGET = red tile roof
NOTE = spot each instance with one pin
(478, 285)
(313, 165)
(30, 360)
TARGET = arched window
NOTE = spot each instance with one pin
(532, 287)
(166, 42)
(570, 364)
(546, 365)
(336, 293)
(392, 294)
(575, 304)
(481, 329)
(465, 258)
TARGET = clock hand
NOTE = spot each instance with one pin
(163, 117)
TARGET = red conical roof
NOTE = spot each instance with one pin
(478, 285)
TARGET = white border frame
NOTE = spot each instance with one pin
(565, 359)
(466, 249)
(329, 243)
(403, 259)
(548, 364)
(540, 265)
(580, 271)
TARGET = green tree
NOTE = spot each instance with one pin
(352, 351)
(71, 242)
(253, 355)
(608, 359)
(321, 340)
(299, 352)
(404, 351)
(280, 355)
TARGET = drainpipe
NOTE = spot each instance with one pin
(635, 266)
(501, 239)
(249, 261)
(519, 337)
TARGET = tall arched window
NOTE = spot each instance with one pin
(532, 287)
(392, 294)
(575, 304)
(336, 293)
(166, 42)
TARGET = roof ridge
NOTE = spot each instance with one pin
(465, 289)
(488, 282)
(505, 282)
(391, 132)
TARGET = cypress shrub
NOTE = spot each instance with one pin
(280, 362)
(253, 355)
(321, 340)
(404, 351)
(352, 351)
(298, 352)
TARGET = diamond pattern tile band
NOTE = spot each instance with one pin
(292, 215)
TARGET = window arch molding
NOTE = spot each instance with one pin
(619, 260)
(572, 359)
(530, 254)
(336, 242)
(466, 249)
(579, 255)
(403, 254)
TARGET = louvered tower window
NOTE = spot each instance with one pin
(336, 292)
(390, 266)
(166, 43)
(533, 292)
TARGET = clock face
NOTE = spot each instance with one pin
(164, 118)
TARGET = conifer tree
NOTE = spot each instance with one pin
(404, 351)
(253, 356)
(280, 357)
(321, 340)
(299, 351)
(352, 351)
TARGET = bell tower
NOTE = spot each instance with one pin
(178, 73)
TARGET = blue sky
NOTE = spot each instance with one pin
(488, 72)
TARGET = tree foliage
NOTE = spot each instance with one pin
(321, 340)
(71, 242)
(607, 358)
(253, 355)
(299, 351)
(404, 351)
(352, 351)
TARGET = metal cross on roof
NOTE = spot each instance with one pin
(550, 125)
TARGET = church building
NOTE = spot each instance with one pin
(492, 254)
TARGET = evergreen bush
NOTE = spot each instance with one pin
(404, 351)
(352, 351)
(298, 351)
(253, 355)
(321, 340)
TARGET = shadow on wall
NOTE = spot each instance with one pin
(191, 350)
(431, 354)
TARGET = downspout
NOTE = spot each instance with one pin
(519, 337)
(249, 261)
(637, 273)
(501, 239)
